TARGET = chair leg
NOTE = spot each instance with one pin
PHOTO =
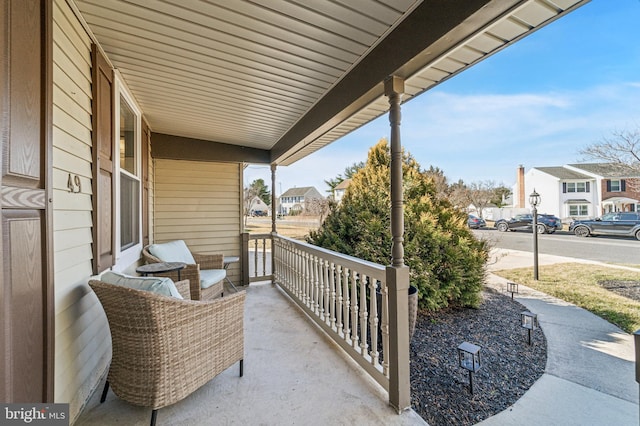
(241, 367)
(104, 392)
(154, 415)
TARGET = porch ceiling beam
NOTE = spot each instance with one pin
(432, 28)
(180, 148)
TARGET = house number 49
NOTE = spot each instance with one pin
(74, 183)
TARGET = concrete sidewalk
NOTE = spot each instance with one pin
(590, 373)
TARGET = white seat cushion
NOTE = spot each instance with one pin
(209, 277)
(160, 285)
(173, 251)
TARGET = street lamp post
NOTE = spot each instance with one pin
(534, 200)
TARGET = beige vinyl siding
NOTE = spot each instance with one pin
(199, 202)
(82, 336)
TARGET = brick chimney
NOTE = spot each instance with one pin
(520, 182)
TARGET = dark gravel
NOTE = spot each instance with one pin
(440, 388)
(628, 289)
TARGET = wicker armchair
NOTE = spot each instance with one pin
(159, 351)
(192, 273)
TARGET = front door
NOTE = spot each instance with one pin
(26, 294)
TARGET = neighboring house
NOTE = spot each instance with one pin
(578, 191)
(340, 190)
(257, 205)
(127, 123)
(618, 186)
(298, 199)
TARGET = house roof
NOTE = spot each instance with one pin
(344, 184)
(272, 81)
(578, 201)
(609, 170)
(563, 173)
(624, 200)
(298, 192)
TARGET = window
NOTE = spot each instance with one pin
(578, 210)
(576, 187)
(129, 181)
(614, 186)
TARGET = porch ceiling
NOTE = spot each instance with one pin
(290, 77)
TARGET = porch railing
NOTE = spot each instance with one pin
(341, 294)
(349, 298)
(258, 257)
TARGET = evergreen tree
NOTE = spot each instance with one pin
(445, 259)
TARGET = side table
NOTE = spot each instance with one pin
(228, 260)
(155, 268)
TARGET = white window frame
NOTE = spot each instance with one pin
(126, 258)
(579, 207)
(619, 183)
(573, 187)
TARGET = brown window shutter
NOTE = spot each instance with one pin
(103, 162)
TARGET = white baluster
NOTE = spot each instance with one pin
(347, 302)
(329, 295)
(385, 328)
(319, 291)
(354, 310)
(338, 272)
(363, 314)
(373, 321)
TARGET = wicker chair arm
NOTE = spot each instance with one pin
(209, 261)
(184, 289)
(148, 257)
(189, 272)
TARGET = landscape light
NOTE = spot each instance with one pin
(512, 288)
(529, 320)
(469, 359)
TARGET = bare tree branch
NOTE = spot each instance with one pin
(622, 148)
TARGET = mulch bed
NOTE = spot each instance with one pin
(628, 289)
(440, 388)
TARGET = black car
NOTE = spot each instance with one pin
(619, 223)
(547, 223)
(475, 222)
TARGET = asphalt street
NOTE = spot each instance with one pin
(601, 248)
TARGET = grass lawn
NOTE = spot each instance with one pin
(285, 229)
(577, 283)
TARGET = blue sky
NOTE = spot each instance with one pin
(536, 103)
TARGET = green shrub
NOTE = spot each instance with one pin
(445, 259)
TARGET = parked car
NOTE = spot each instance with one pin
(626, 224)
(475, 222)
(547, 223)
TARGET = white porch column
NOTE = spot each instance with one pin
(274, 216)
(398, 272)
(274, 199)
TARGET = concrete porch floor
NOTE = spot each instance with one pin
(293, 375)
